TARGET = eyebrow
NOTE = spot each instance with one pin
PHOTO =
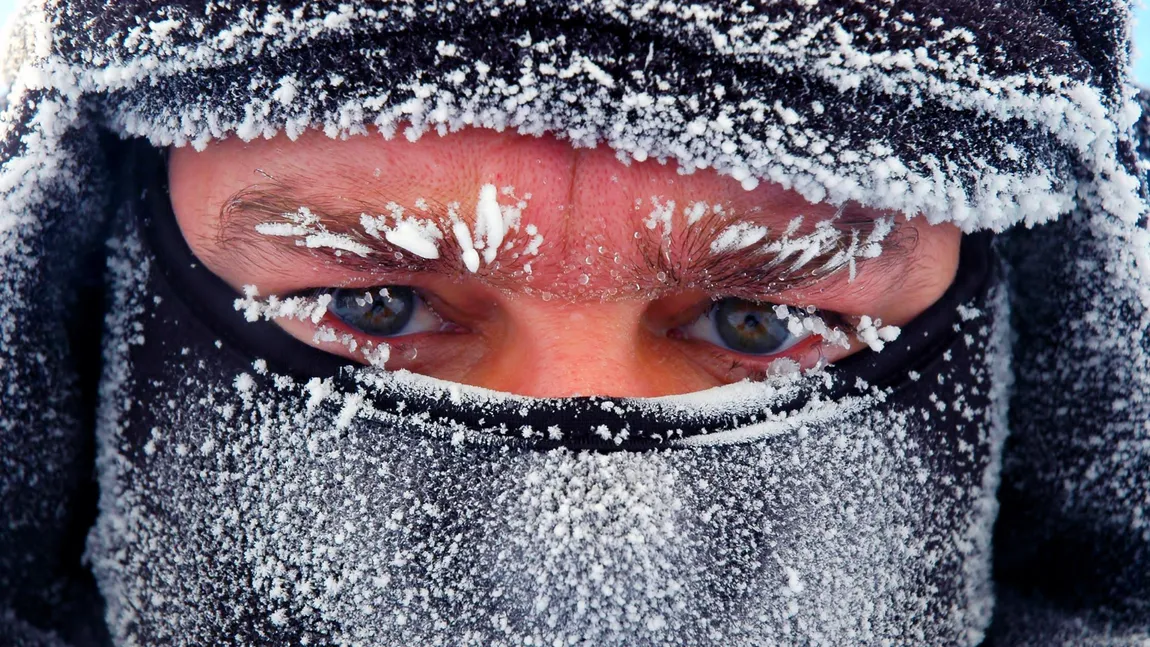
(238, 238)
(689, 261)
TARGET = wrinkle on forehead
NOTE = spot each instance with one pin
(608, 229)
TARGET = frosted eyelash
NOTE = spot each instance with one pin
(309, 308)
(300, 308)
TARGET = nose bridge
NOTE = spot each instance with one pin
(568, 349)
(590, 332)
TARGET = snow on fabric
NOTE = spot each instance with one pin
(985, 140)
(982, 114)
(826, 534)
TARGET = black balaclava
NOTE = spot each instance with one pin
(380, 508)
(255, 491)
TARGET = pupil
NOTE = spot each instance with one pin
(749, 327)
(374, 311)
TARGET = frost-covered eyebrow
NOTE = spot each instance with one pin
(695, 258)
(238, 240)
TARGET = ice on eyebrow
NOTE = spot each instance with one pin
(420, 236)
(493, 222)
(845, 246)
(463, 237)
(738, 236)
(306, 228)
(489, 225)
(824, 238)
(662, 213)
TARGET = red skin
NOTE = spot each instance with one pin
(590, 335)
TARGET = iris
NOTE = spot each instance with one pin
(745, 327)
(382, 312)
(751, 328)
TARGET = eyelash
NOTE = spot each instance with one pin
(752, 365)
(812, 340)
(400, 306)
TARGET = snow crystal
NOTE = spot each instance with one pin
(875, 335)
(301, 308)
(489, 225)
(345, 511)
(463, 236)
(567, 92)
(305, 226)
(419, 238)
(339, 523)
(286, 92)
(738, 236)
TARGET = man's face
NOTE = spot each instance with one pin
(524, 265)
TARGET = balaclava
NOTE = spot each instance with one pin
(256, 491)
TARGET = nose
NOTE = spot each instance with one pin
(564, 350)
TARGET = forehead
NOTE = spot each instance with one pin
(582, 194)
(587, 225)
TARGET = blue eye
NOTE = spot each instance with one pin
(383, 311)
(744, 327)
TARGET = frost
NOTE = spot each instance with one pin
(532, 248)
(333, 499)
(695, 212)
(306, 228)
(556, 87)
(875, 335)
(273, 307)
(800, 324)
(968, 313)
(489, 225)
(286, 92)
(736, 237)
(384, 508)
(419, 238)
(377, 355)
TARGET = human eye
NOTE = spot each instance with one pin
(382, 311)
(397, 325)
(745, 327)
(745, 338)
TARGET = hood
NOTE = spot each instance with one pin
(1019, 118)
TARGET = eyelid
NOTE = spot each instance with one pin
(730, 366)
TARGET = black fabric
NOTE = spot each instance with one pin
(184, 361)
(48, 488)
(997, 99)
(388, 48)
(1070, 554)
